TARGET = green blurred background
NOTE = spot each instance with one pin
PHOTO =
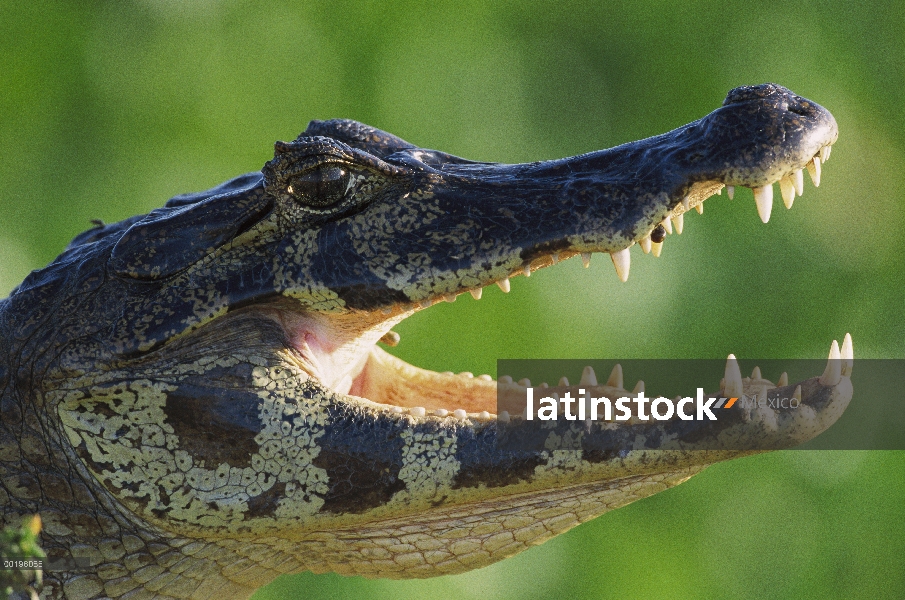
(109, 108)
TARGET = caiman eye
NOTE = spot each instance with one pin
(320, 187)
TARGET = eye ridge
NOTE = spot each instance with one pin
(322, 186)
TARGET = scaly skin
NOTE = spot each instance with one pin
(194, 400)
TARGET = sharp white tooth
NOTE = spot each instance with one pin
(467, 374)
(563, 382)
(615, 379)
(525, 382)
(679, 222)
(639, 387)
(503, 416)
(555, 257)
(814, 170)
(504, 285)
(450, 297)
(397, 409)
(798, 182)
(527, 270)
(719, 192)
(848, 354)
(797, 393)
(645, 244)
(656, 248)
(755, 374)
(829, 150)
(763, 197)
(733, 387)
(824, 153)
(622, 260)
(730, 191)
(485, 377)
(586, 259)
(783, 380)
(506, 379)
(460, 414)
(699, 208)
(441, 412)
(833, 372)
(667, 224)
(476, 294)
(483, 415)
(686, 202)
(588, 377)
(787, 189)
(418, 411)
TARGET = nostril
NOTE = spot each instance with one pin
(798, 110)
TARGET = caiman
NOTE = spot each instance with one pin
(194, 401)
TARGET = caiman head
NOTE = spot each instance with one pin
(210, 370)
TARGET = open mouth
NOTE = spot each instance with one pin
(401, 388)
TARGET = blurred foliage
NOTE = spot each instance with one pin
(109, 108)
(22, 544)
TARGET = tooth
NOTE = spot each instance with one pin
(450, 297)
(755, 374)
(656, 248)
(763, 197)
(525, 382)
(418, 411)
(397, 409)
(848, 354)
(798, 182)
(467, 374)
(814, 170)
(783, 380)
(645, 244)
(476, 294)
(485, 377)
(483, 415)
(719, 192)
(503, 416)
(506, 379)
(787, 188)
(622, 260)
(824, 153)
(588, 377)
(555, 257)
(730, 191)
(615, 379)
(544, 385)
(686, 202)
(833, 372)
(504, 285)
(667, 224)
(563, 382)
(679, 222)
(699, 208)
(829, 150)
(527, 270)
(734, 386)
(441, 412)
(586, 259)
(639, 387)
(449, 373)
(390, 338)
(797, 393)
(460, 414)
